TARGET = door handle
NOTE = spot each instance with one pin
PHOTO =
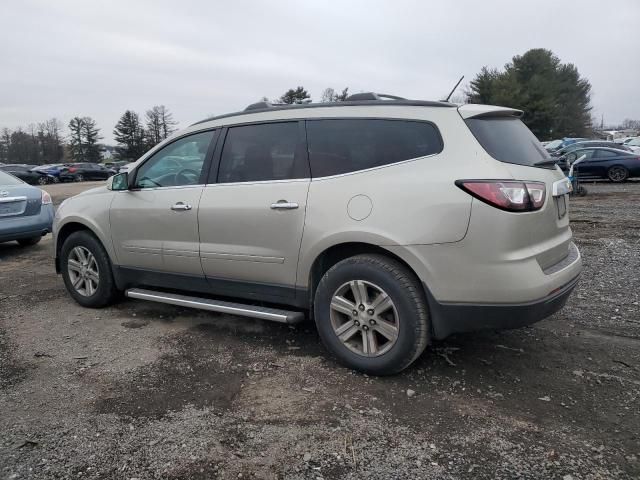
(181, 206)
(284, 205)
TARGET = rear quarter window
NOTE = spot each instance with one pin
(508, 140)
(339, 146)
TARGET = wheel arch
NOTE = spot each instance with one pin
(75, 225)
(338, 252)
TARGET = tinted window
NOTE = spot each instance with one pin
(348, 145)
(6, 179)
(507, 139)
(15, 168)
(609, 154)
(269, 151)
(573, 156)
(179, 163)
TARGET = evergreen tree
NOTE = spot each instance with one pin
(554, 97)
(91, 135)
(297, 95)
(76, 144)
(5, 144)
(83, 140)
(130, 136)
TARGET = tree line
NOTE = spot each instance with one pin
(44, 142)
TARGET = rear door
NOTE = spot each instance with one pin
(602, 160)
(154, 225)
(252, 212)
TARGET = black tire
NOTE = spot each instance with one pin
(79, 177)
(409, 301)
(28, 242)
(106, 292)
(618, 174)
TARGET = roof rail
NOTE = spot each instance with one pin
(357, 97)
(259, 106)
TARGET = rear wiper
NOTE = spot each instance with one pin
(542, 163)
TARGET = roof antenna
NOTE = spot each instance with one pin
(454, 89)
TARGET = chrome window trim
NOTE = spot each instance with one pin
(260, 182)
(174, 187)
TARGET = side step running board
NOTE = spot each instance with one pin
(263, 313)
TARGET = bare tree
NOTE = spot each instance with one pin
(159, 123)
(330, 95)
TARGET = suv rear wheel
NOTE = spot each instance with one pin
(86, 270)
(371, 313)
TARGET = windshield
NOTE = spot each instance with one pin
(508, 139)
(6, 179)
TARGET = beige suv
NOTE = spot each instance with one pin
(390, 221)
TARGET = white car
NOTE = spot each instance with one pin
(633, 144)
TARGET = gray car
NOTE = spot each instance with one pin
(390, 222)
(26, 212)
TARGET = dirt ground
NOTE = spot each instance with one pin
(146, 391)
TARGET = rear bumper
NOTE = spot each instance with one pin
(26, 227)
(449, 318)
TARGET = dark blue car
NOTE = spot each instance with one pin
(26, 212)
(616, 165)
(53, 170)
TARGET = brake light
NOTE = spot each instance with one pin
(46, 198)
(509, 195)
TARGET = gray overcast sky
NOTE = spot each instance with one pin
(64, 58)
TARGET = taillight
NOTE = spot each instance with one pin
(72, 169)
(46, 198)
(509, 195)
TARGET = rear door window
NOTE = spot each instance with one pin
(268, 151)
(339, 146)
(508, 140)
(608, 154)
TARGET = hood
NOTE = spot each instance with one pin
(93, 191)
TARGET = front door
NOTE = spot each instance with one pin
(154, 225)
(251, 219)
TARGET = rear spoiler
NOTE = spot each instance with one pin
(472, 110)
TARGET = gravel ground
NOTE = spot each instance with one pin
(146, 391)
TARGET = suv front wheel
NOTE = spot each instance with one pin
(371, 313)
(86, 270)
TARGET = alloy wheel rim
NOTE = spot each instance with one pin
(364, 318)
(617, 173)
(83, 271)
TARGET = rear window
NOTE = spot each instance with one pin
(6, 179)
(507, 139)
(347, 145)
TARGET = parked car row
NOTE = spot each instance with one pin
(60, 172)
(613, 160)
(28, 174)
